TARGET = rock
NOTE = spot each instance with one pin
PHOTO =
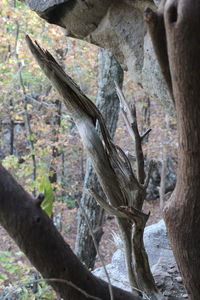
(42, 5)
(161, 260)
(118, 26)
(116, 271)
(185, 296)
(179, 279)
(152, 79)
(157, 2)
(157, 244)
(154, 183)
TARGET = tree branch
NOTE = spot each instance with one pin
(29, 226)
(133, 131)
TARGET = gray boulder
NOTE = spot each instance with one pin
(161, 260)
(154, 183)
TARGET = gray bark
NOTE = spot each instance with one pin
(108, 103)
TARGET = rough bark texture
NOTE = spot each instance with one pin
(108, 104)
(182, 22)
(28, 225)
(112, 167)
(116, 25)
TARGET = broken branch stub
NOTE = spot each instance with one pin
(109, 160)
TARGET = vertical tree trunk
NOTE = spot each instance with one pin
(12, 129)
(108, 103)
(182, 213)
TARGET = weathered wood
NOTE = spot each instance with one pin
(112, 166)
(108, 104)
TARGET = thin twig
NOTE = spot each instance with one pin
(133, 131)
(28, 123)
(109, 208)
(97, 249)
(145, 134)
(53, 280)
(163, 180)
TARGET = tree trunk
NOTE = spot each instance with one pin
(108, 104)
(181, 25)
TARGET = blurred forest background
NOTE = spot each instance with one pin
(39, 143)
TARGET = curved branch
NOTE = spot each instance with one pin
(29, 226)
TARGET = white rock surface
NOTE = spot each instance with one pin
(118, 26)
(161, 260)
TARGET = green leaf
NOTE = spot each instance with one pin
(13, 268)
(3, 277)
(6, 256)
(46, 189)
(19, 253)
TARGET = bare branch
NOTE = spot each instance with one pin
(13, 290)
(97, 249)
(124, 109)
(27, 116)
(134, 214)
(109, 208)
(163, 180)
(145, 134)
(133, 131)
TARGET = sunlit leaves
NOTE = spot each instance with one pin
(47, 191)
(25, 285)
(80, 61)
(10, 161)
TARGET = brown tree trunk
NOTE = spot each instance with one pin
(182, 213)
